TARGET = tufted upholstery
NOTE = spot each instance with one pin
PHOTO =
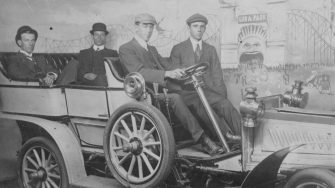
(60, 60)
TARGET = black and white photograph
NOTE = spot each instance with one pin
(167, 94)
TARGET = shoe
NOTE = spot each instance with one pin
(209, 146)
(233, 138)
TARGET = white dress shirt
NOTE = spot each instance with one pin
(142, 42)
(195, 43)
(98, 48)
(29, 56)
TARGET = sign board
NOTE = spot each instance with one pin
(252, 18)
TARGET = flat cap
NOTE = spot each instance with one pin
(99, 27)
(145, 18)
(25, 29)
(196, 18)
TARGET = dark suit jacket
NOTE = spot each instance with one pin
(91, 61)
(23, 69)
(182, 56)
(137, 59)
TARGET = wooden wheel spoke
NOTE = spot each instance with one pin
(52, 183)
(124, 158)
(149, 133)
(47, 184)
(131, 167)
(140, 167)
(52, 167)
(43, 157)
(32, 162)
(37, 157)
(121, 136)
(146, 161)
(125, 126)
(52, 175)
(151, 144)
(151, 154)
(117, 148)
(29, 170)
(133, 122)
(47, 162)
(142, 124)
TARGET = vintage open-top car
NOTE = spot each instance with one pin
(67, 128)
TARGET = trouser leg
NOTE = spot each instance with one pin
(184, 115)
(201, 112)
(226, 111)
(192, 99)
(69, 73)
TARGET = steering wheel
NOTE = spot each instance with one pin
(197, 69)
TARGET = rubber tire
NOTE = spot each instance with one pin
(168, 143)
(312, 174)
(52, 147)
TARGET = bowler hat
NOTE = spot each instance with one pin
(196, 18)
(99, 27)
(145, 18)
(25, 29)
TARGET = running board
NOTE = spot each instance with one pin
(96, 182)
(195, 153)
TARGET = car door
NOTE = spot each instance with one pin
(87, 101)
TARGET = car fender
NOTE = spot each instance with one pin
(265, 173)
(65, 140)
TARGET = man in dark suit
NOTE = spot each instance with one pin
(91, 70)
(24, 66)
(193, 51)
(138, 56)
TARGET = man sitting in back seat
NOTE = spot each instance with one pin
(91, 69)
(24, 66)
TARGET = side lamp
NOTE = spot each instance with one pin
(295, 98)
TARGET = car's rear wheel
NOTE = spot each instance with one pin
(312, 178)
(139, 145)
(41, 165)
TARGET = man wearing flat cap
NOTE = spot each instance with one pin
(193, 51)
(91, 70)
(138, 56)
(24, 66)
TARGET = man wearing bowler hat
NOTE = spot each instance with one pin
(26, 66)
(91, 70)
(193, 51)
(138, 56)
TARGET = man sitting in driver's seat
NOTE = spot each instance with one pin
(25, 66)
(195, 51)
(138, 56)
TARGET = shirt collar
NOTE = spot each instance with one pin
(142, 42)
(95, 47)
(195, 42)
(26, 53)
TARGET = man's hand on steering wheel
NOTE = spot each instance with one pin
(175, 74)
(197, 69)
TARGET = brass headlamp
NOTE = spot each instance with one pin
(250, 108)
(134, 85)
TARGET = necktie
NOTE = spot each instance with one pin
(30, 58)
(97, 49)
(198, 52)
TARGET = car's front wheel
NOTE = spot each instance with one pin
(41, 165)
(312, 178)
(139, 145)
